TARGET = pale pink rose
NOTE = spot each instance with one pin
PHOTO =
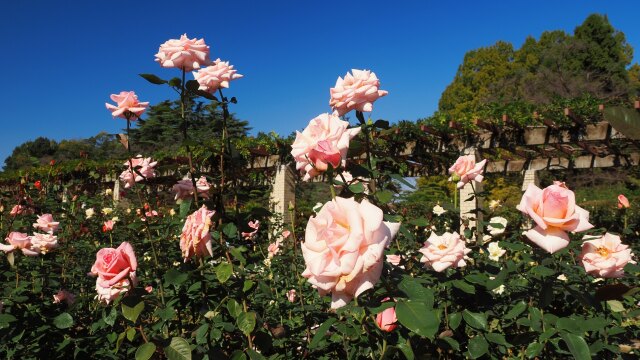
(128, 107)
(554, 211)
(20, 210)
(149, 214)
(142, 169)
(465, 170)
(291, 295)
(108, 225)
(184, 53)
(18, 240)
(113, 266)
(394, 259)
(148, 289)
(110, 293)
(195, 239)
(443, 251)
(324, 141)
(623, 202)
(605, 256)
(43, 243)
(216, 76)
(285, 234)
(357, 91)
(344, 247)
(386, 320)
(184, 189)
(255, 225)
(64, 295)
(45, 223)
(274, 248)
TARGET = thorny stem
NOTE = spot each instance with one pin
(186, 138)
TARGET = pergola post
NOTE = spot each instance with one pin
(468, 209)
(283, 193)
(530, 177)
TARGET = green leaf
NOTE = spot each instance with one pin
(478, 346)
(516, 310)
(577, 346)
(153, 79)
(7, 318)
(419, 222)
(248, 285)
(321, 332)
(236, 252)
(475, 320)
(224, 271)
(615, 305)
(63, 321)
(175, 277)
(178, 349)
(415, 291)
(111, 318)
(201, 334)
(384, 196)
(192, 85)
(132, 313)
(418, 317)
(254, 355)
(175, 82)
(356, 188)
(569, 324)
(533, 350)
(464, 286)
(230, 230)
(497, 339)
(403, 180)
(185, 207)
(234, 308)
(131, 332)
(246, 322)
(454, 320)
(543, 271)
(145, 351)
(406, 349)
(455, 345)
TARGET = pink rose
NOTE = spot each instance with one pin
(195, 239)
(110, 293)
(357, 91)
(274, 248)
(184, 189)
(443, 251)
(386, 320)
(20, 210)
(605, 256)
(148, 289)
(216, 76)
(291, 295)
(128, 107)
(43, 243)
(45, 223)
(623, 202)
(142, 169)
(285, 234)
(18, 240)
(324, 141)
(394, 259)
(465, 169)
(255, 225)
(186, 54)
(344, 247)
(65, 296)
(554, 211)
(108, 225)
(114, 266)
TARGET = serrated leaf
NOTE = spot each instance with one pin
(418, 317)
(178, 349)
(63, 321)
(153, 79)
(234, 308)
(224, 271)
(145, 351)
(230, 230)
(246, 322)
(132, 313)
(478, 346)
(475, 320)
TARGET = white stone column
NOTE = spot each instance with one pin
(468, 209)
(530, 177)
(283, 193)
(116, 190)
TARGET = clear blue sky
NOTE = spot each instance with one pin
(62, 59)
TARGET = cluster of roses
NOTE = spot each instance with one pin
(36, 244)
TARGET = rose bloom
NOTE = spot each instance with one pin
(195, 239)
(45, 223)
(291, 295)
(20, 210)
(18, 240)
(106, 211)
(89, 213)
(394, 259)
(115, 267)
(443, 251)
(623, 202)
(184, 53)
(605, 256)
(128, 107)
(274, 248)
(285, 234)
(38, 185)
(465, 170)
(386, 320)
(108, 225)
(110, 293)
(184, 189)
(344, 247)
(439, 210)
(216, 76)
(495, 251)
(65, 296)
(357, 91)
(142, 169)
(495, 230)
(554, 211)
(43, 243)
(324, 141)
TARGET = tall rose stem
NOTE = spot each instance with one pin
(300, 281)
(185, 136)
(367, 140)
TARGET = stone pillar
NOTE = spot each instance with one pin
(468, 209)
(530, 177)
(284, 192)
(116, 190)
